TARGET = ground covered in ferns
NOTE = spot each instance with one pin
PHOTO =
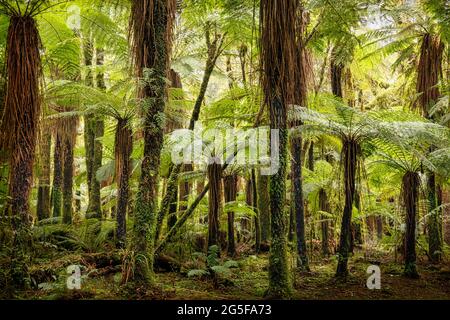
(248, 281)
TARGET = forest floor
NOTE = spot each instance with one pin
(250, 281)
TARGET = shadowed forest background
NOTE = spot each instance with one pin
(91, 92)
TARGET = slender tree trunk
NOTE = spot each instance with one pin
(230, 190)
(172, 218)
(43, 203)
(349, 156)
(215, 203)
(57, 176)
(214, 50)
(410, 195)
(246, 223)
(297, 194)
(123, 150)
(434, 232)
(68, 180)
(89, 134)
(264, 207)
(255, 207)
(324, 206)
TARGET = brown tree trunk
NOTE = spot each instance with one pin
(43, 203)
(230, 190)
(123, 150)
(349, 156)
(410, 199)
(57, 176)
(215, 203)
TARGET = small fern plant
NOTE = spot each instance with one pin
(214, 269)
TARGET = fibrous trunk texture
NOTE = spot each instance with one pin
(349, 157)
(123, 149)
(20, 121)
(230, 192)
(43, 203)
(410, 199)
(214, 203)
(277, 20)
(151, 26)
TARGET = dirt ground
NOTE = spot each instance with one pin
(250, 280)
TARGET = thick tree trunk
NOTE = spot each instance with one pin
(230, 190)
(151, 51)
(43, 203)
(278, 52)
(349, 156)
(20, 119)
(279, 283)
(214, 203)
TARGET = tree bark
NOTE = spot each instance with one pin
(410, 198)
(43, 203)
(230, 191)
(264, 207)
(349, 156)
(68, 181)
(214, 203)
(57, 176)
(123, 150)
(151, 51)
(325, 207)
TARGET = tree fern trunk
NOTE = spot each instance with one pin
(151, 48)
(349, 155)
(57, 176)
(230, 192)
(43, 203)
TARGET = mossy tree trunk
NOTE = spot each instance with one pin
(68, 183)
(68, 141)
(151, 43)
(57, 175)
(264, 207)
(278, 57)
